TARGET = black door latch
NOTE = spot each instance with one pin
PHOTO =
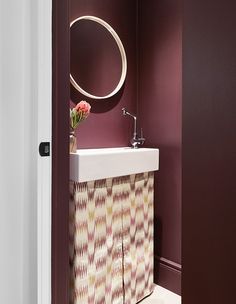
(44, 149)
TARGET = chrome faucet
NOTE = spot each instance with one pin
(135, 140)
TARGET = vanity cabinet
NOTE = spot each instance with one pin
(111, 239)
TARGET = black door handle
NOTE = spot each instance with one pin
(44, 149)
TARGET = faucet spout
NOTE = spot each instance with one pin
(135, 121)
(125, 112)
(135, 141)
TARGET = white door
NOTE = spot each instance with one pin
(25, 176)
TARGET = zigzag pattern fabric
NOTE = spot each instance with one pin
(138, 217)
(111, 240)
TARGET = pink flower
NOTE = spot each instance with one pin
(79, 113)
(84, 107)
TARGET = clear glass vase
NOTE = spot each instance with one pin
(73, 142)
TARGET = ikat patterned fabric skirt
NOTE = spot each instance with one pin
(111, 240)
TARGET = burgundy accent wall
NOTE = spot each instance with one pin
(106, 127)
(209, 152)
(60, 153)
(160, 109)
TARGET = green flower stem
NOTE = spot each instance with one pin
(76, 118)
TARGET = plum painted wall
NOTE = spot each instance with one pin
(60, 157)
(160, 109)
(106, 127)
(209, 152)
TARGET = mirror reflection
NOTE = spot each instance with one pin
(98, 62)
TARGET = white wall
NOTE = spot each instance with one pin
(22, 97)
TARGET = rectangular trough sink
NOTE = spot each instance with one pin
(94, 164)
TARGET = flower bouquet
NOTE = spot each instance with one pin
(78, 114)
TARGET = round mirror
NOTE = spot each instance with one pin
(98, 61)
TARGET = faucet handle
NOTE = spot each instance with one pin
(141, 134)
(123, 111)
(139, 140)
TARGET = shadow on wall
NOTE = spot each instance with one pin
(157, 236)
(157, 245)
(98, 105)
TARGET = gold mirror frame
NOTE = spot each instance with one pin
(122, 53)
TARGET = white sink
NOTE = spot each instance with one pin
(93, 164)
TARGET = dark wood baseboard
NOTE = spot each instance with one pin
(167, 274)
